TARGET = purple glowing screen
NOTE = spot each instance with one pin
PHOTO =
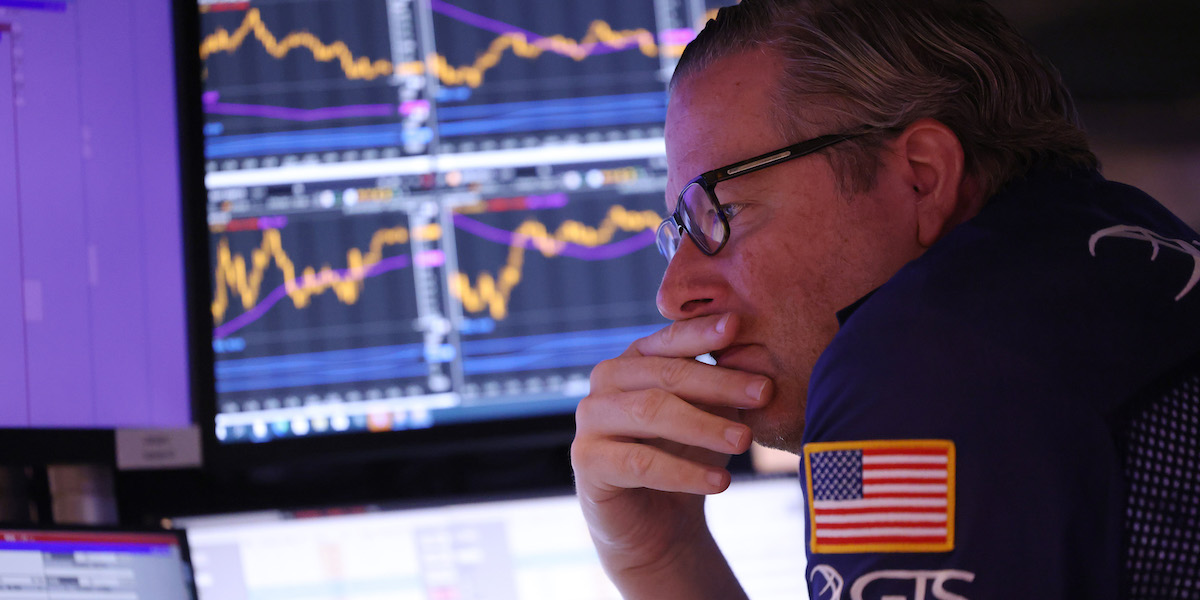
(92, 318)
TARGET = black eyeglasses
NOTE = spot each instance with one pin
(699, 212)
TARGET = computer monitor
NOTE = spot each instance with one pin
(92, 317)
(94, 563)
(427, 221)
(534, 547)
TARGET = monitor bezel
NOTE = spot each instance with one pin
(43, 446)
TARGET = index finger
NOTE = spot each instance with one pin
(688, 338)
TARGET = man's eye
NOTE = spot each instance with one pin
(731, 210)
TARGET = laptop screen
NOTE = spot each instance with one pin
(94, 564)
(529, 548)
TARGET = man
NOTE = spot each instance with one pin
(888, 231)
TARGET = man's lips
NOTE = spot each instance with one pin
(734, 357)
(718, 354)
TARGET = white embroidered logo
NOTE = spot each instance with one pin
(1140, 233)
(832, 579)
(925, 583)
(934, 581)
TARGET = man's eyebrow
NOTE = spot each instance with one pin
(746, 184)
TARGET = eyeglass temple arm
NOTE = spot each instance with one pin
(763, 161)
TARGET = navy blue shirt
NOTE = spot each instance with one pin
(960, 438)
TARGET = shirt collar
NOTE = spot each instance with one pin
(844, 314)
(1017, 186)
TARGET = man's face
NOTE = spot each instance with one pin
(799, 250)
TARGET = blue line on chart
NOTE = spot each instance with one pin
(313, 139)
(541, 107)
(582, 118)
(272, 380)
(555, 341)
(337, 366)
(312, 360)
(579, 357)
(404, 361)
(558, 117)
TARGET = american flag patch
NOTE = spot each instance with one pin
(881, 496)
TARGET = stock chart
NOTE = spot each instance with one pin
(554, 290)
(295, 77)
(595, 71)
(279, 273)
(429, 211)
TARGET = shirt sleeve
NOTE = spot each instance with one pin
(940, 463)
(962, 430)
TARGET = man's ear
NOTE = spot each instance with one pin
(934, 159)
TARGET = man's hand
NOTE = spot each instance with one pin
(652, 437)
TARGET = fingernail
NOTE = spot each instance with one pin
(734, 436)
(755, 389)
(722, 323)
(716, 478)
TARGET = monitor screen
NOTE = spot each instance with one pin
(426, 213)
(92, 318)
(92, 563)
(529, 548)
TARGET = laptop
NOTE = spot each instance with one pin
(529, 547)
(94, 563)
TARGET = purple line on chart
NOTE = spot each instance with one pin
(487, 24)
(277, 294)
(213, 105)
(508, 238)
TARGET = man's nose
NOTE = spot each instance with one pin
(690, 284)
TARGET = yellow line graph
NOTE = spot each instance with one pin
(471, 75)
(355, 68)
(244, 281)
(598, 31)
(237, 278)
(492, 292)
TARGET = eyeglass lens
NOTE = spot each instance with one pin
(668, 238)
(701, 217)
(699, 214)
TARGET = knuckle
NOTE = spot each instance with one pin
(590, 414)
(673, 372)
(579, 455)
(583, 410)
(667, 335)
(645, 408)
(602, 372)
(640, 462)
(587, 455)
